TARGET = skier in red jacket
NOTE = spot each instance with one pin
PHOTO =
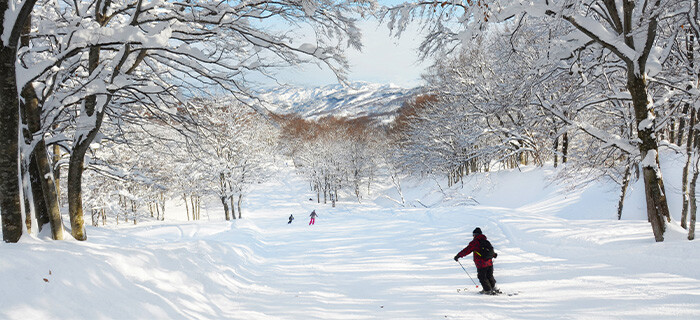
(484, 267)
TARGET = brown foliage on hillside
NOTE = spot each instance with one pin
(303, 130)
(408, 111)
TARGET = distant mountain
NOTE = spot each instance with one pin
(356, 100)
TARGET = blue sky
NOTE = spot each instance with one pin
(384, 59)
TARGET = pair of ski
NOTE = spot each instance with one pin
(497, 293)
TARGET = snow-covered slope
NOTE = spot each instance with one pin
(564, 253)
(356, 100)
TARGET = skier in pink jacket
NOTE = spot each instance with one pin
(313, 216)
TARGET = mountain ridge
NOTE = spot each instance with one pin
(358, 99)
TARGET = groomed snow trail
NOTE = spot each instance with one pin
(364, 264)
(359, 261)
(368, 262)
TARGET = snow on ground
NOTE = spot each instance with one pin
(564, 253)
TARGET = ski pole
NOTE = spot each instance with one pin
(470, 277)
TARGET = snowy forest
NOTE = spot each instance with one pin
(127, 95)
(114, 111)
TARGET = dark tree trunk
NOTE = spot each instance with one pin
(157, 205)
(57, 171)
(240, 199)
(657, 206)
(325, 190)
(82, 141)
(556, 151)
(693, 205)
(29, 113)
(10, 205)
(187, 208)
(227, 214)
(51, 195)
(672, 130)
(690, 153)
(334, 196)
(45, 196)
(357, 183)
(81, 145)
(75, 189)
(564, 147)
(195, 215)
(623, 191)
(40, 211)
(223, 188)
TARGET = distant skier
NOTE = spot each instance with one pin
(313, 216)
(291, 218)
(483, 261)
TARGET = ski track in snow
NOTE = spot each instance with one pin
(359, 261)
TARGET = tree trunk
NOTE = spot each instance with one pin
(40, 210)
(357, 183)
(194, 212)
(45, 195)
(226, 212)
(397, 183)
(29, 209)
(75, 200)
(31, 125)
(564, 147)
(184, 197)
(657, 206)
(157, 205)
(325, 189)
(81, 145)
(57, 171)
(672, 129)
(693, 204)
(681, 124)
(222, 186)
(10, 205)
(51, 194)
(623, 191)
(334, 195)
(240, 199)
(162, 206)
(690, 154)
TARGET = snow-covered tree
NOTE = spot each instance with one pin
(636, 33)
(335, 154)
(14, 16)
(237, 150)
(93, 58)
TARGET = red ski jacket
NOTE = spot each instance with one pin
(474, 246)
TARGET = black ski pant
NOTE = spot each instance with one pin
(486, 278)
